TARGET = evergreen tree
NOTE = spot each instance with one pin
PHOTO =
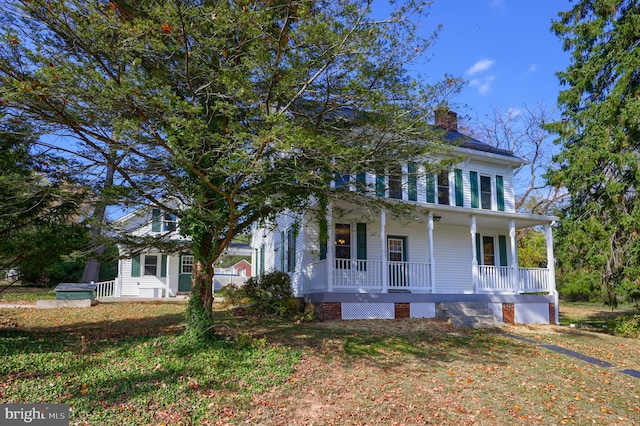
(600, 138)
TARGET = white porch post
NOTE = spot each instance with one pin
(474, 255)
(515, 282)
(383, 241)
(432, 262)
(168, 277)
(551, 267)
(330, 247)
(118, 290)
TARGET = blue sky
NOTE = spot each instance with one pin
(504, 49)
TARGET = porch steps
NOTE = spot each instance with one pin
(467, 314)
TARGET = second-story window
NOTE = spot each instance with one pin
(443, 187)
(395, 181)
(485, 192)
(170, 222)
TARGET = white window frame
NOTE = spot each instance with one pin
(144, 265)
(491, 188)
(437, 188)
(186, 260)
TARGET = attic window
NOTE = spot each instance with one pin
(169, 222)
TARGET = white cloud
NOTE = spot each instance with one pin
(496, 3)
(481, 65)
(533, 68)
(483, 84)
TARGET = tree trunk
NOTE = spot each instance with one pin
(92, 267)
(203, 283)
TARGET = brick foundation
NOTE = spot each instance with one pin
(508, 313)
(402, 310)
(552, 313)
(330, 311)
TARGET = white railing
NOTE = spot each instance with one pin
(410, 276)
(106, 289)
(495, 278)
(501, 279)
(357, 275)
(533, 280)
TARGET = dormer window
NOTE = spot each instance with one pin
(162, 221)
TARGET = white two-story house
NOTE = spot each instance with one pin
(460, 246)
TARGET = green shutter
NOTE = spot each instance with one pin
(361, 241)
(500, 192)
(155, 220)
(478, 252)
(323, 235)
(293, 247)
(283, 254)
(361, 182)
(502, 246)
(412, 181)
(163, 266)
(459, 189)
(431, 188)
(380, 185)
(135, 266)
(475, 196)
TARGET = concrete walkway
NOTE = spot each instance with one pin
(573, 354)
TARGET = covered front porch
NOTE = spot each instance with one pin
(464, 252)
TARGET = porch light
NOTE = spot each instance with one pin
(436, 218)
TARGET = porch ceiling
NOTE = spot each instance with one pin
(487, 218)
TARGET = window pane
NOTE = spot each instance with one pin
(150, 265)
(485, 192)
(443, 188)
(489, 252)
(395, 182)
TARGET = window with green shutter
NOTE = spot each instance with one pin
(323, 235)
(500, 192)
(459, 188)
(475, 196)
(283, 251)
(156, 220)
(262, 259)
(431, 188)
(135, 266)
(478, 249)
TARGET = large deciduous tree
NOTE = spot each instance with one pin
(599, 134)
(237, 109)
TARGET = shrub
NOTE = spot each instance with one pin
(627, 326)
(267, 295)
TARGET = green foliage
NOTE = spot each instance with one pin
(626, 326)
(241, 111)
(578, 286)
(266, 295)
(532, 250)
(599, 134)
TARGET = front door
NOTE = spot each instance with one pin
(397, 255)
(186, 270)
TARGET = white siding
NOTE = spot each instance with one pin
(452, 252)
(131, 285)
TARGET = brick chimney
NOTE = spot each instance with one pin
(446, 119)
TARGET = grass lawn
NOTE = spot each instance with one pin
(126, 364)
(16, 294)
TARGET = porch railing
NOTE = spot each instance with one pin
(409, 276)
(501, 279)
(106, 289)
(357, 275)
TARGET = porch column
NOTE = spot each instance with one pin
(551, 267)
(168, 277)
(432, 261)
(118, 289)
(383, 241)
(474, 255)
(515, 282)
(330, 247)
